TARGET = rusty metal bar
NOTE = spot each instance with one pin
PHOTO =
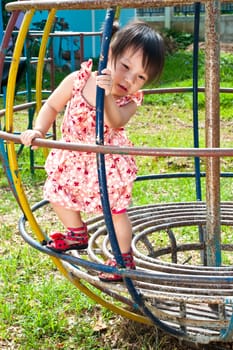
(139, 151)
(93, 4)
(20, 107)
(212, 127)
(6, 40)
(181, 90)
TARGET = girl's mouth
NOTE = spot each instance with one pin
(122, 88)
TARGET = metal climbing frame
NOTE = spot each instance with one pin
(24, 68)
(188, 301)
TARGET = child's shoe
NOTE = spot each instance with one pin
(111, 277)
(71, 240)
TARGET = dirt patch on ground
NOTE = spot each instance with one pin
(130, 335)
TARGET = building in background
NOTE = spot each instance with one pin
(77, 21)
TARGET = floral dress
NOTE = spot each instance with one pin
(72, 175)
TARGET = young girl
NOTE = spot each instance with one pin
(136, 57)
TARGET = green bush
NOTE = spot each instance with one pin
(181, 39)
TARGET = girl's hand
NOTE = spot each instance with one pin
(104, 81)
(29, 135)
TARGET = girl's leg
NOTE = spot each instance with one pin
(123, 228)
(76, 236)
(68, 217)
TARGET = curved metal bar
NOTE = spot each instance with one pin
(10, 98)
(181, 89)
(41, 56)
(6, 39)
(226, 334)
(20, 107)
(14, 69)
(145, 92)
(210, 274)
(106, 37)
(138, 151)
(3, 50)
(6, 168)
(20, 195)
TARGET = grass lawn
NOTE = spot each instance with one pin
(40, 309)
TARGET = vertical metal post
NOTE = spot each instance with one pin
(195, 99)
(212, 53)
(81, 48)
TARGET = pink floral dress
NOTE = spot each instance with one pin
(72, 176)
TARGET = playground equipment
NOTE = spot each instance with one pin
(67, 47)
(190, 301)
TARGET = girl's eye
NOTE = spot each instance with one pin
(141, 77)
(125, 66)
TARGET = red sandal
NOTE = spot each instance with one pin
(113, 277)
(69, 241)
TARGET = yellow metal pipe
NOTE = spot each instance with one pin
(110, 306)
(9, 121)
(42, 53)
(40, 66)
(11, 85)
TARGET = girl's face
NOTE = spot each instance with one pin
(128, 73)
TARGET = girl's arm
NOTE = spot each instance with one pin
(48, 113)
(115, 116)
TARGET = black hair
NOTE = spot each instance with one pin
(115, 27)
(140, 35)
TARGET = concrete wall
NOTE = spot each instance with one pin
(186, 23)
(82, 21)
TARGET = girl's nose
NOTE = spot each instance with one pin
(130, 78)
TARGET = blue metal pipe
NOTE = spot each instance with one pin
(107, 32)
(195, 97)
(6, 168)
